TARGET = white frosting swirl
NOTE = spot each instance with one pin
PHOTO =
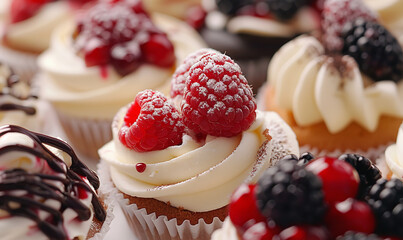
(81, 91)
(199, 176)
(308, 83)
(394, 156)
(15, 227)
(34, 33)
(390, 14)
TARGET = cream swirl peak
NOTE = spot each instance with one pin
(44, 188)
(394, 157)
(317, 87)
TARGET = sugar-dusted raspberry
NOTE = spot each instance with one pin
(121, 33)
(182, 72)
(217, 98)
(336, 14)
(151, 123)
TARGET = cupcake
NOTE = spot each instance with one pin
(19, 103)
(316, 198)
(46, 191)
(252, 31)
(175, 170)
(342, 93)
(98, 64)
(26, 27)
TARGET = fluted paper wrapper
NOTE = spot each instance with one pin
(150, 227)
(23, 63)
(104, 193)
(86, 135)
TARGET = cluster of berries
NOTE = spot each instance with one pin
(323, 198)
(215, 99)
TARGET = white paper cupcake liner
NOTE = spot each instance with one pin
(150, 227)
(23, 63)
(86, 135)
(372, 153)
(104, 192)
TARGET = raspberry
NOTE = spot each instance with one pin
(217, 98)
(336, 14)
(182, 72)
(290, 195)
(151, 123)
(377, 52)
(121, 33)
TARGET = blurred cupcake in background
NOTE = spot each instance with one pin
(252, 31)
(177, 8)
(341, 92)
(26, 27)
(98, 63)
(19, 103)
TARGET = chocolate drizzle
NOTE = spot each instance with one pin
(43, 186)
(11, 81)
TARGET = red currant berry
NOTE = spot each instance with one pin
(350, 215)
(293, 233)
(21, 10)
(126, 57)
(195, 17)
(159, 50)
(259, 231)
(96, 53)
(242, 209)
(340, 180)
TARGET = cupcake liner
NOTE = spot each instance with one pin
(371, 153)
(86, 135)
(104, 192)
(23, 63)
(149, 226)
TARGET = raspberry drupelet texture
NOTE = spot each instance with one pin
(151, 123)
(217, 99)
(336, 14)
(182, 72)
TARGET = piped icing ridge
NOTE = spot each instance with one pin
(201, 164)
(317, 87)
(42, 174)
(394, 157)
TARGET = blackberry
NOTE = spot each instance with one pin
(302, 160)
(367, 171)
(386, 200)
(357, 236)
(375, 49)
(290, 195)
(230, 7)
(285, 9)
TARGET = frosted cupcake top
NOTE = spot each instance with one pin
(75, 76)
(195, 158)
(42, 174)
(353, 75)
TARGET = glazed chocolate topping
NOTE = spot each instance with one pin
(43, 186)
